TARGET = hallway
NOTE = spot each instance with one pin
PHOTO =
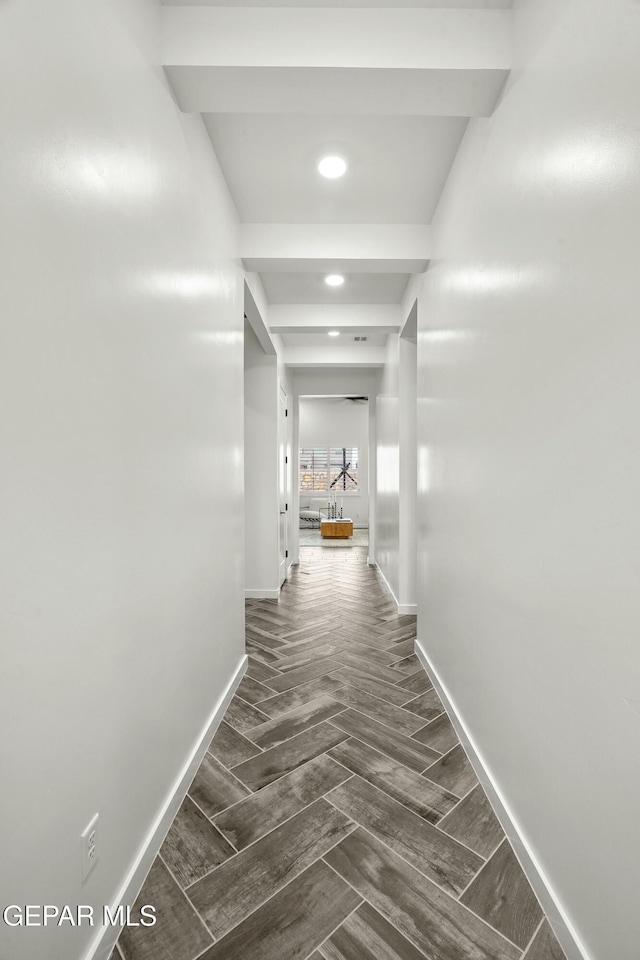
(335, 814)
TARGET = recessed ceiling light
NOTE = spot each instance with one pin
(334, 280)
(332, 167)
(334, 333)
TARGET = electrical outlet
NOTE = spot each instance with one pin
(89, 847)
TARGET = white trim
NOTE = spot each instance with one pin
(410, 608)
(386, 583)
(402, 608)
(562, 926)
(104, 942)
(262, 594)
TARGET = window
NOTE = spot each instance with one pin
(325, 471)
(343, 469)
(313, 470)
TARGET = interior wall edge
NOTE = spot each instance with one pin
(385, 581)
(105, 940)
(562, 926)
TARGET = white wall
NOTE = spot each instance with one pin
(336, 422)
(285, 384)
(387, 494)
(121, 421)
(408, 480)
(395, 491)
(260, 468)
(528, 456)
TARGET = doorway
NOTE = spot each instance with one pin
(283, 486)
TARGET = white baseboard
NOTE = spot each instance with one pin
(262, 594)
(410, 608)
(562, 926)
(106, 937)
(402, 608)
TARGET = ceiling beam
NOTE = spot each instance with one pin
(349, 318)
(404, 61)
(360, 355)
(256, 311)
(354, 248)
(338, 91)
(406, 38)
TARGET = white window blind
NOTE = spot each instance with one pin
(313, 470)
(328, 471)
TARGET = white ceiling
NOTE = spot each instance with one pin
(434, 4)
(389, 86)
(337, 343)
(397, 166)
(311, 288)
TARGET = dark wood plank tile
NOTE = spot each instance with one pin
(268, 808)
(282, 703)
(395, 745)
(230, 747)
(276, 762)
(395, 633)
(293, 922)
(387, 713)
(473, 822)
(242, 716)
(214, 788)
(408, 666)
(295, 661)
(439, 734)
(261, 671)
(416, 682)
(301, 674)
(502, 895)
(366, 935)
(360, 635)
(305, 637)
(178, 933)
(402, 619)
(377, 688)
(544, 945)
(369, 653)
(225, 897)
(432, 920)
(404, 785)
(193, 845)
(451, 865)
(404, 648)
(273, 732)
(427, 705)
(453, 772)
(264, 639)
(252, 691)
(260, 654)
(360, 663)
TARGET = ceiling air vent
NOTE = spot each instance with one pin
(359, 339)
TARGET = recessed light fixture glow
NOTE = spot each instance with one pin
(334, 280)
(332, 167)
(334, 333)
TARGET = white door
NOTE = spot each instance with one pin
(283, 486)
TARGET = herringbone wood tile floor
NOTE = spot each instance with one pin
(335, 815)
